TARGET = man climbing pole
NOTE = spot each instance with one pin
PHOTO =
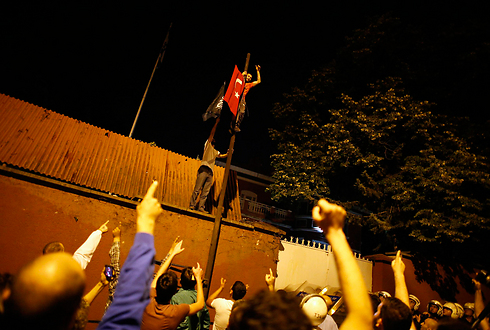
(242, 106)
(204, 179)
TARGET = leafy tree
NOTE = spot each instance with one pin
(419, 183)
(420, 179)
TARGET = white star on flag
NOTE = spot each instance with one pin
(237, 95)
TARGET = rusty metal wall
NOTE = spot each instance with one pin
(57, 146)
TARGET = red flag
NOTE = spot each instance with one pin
(235, 89)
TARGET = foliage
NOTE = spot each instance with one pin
(419, 182)
(419, 179)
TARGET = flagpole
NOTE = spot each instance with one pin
(159, 60)
(217, 220)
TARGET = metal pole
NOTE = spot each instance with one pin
(159, 60)
(217, 220)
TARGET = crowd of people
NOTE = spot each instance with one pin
(450, 315)
(47, 293)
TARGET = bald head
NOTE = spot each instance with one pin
(53, 247)
(429, 324)
(46, 292)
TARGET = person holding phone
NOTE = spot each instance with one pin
(114, 254)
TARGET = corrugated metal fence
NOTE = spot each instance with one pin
(51, 144)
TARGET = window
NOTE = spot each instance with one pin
(248, 195)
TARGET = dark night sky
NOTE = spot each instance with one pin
(92, 62)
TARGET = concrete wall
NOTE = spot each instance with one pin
(299, 262)
(33, 213)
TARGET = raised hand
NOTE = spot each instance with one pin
(104, 227)
(148, 211)
(176, 247)
(197, 272)
(328, 216)
(269, 278)
(397, 264)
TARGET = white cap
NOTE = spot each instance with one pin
(315, 307)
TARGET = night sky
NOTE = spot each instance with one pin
(92, 62)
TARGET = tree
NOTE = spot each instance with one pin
(419, 182)
(420, 178)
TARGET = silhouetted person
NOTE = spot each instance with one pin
(223, 306)
(159, 313)
(188, 295)
(394, 312)
(45, 293)
(243, 104)
(204, 178)
(133, 288)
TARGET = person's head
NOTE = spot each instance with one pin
(166, 287)
(449, 309)
(248, 77)
(238, 290)
(452, 324)
(383, 294)
(269, 311)
(469, 309)
(414, 302)
(459, 310)
(53, 247)
(428, 324)
(394, 314)
(375, 301)
(187, 279)
(434, 307)
(315, 307)
(46, 293)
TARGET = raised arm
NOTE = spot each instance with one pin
(258, 81)
(199, 304)
(480, 305)
(133, 291)
(84, 253)
(213, 130)
(401, 291)
(398, 267)
(175, 249)
(114, 255)
(92, 294)
(216, 293)
(224, 155)
(270, 280)
(330, 218)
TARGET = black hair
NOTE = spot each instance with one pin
(187, 280)
(269, 311)
(239, 290)
(166, 287)
(395, 314)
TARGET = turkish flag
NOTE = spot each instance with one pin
(234, 91)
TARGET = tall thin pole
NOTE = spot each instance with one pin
(217, 220)
(159, 60)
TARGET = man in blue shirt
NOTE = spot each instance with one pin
(133, 290)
